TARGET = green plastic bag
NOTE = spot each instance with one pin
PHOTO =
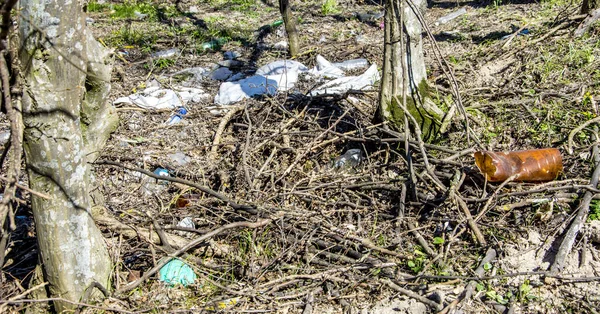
(177, 272)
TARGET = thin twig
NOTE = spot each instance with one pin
(224, 121)
(436, 306)
(577, 130)
(191, 245)
(582, 213)
(209, 191)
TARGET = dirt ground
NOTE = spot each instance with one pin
(302, 236)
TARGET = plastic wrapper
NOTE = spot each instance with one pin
(528, 165)
(177, 272)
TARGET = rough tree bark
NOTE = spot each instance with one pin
(67, 120)
(290, 26)
(404, 71)
(589, 5)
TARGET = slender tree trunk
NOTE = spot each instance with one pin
(589, 5)
(290, 26)
(404, 71)
(58, 72)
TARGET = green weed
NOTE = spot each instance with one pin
(594, 213)
(330, 7)
(131, 35)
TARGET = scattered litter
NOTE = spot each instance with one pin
(177, 272)
(276, 76)
(342, 85)
(369, 16)
(523, 32)
(360, 39)
(159, 172)
(4, 136)
(187, 199)
(139, 15)
(197, 74)
(277, 23)
(165, 53)
(281, 45)
(179, 159)
(235, 77)
(221, 74)
(353, 64)
(89, 21)
(187, 222)
(230, 55)
(527, 165)
(232, 64)
(231, 92)
(177, 117)
(213, 44)
(156, 98)
(325, 69)
(449, 17)
(193, 9)
(352, 158)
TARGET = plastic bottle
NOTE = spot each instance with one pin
(528, 165)
(176, 118)
(449, 17)
(276, 23)
(353, 64)
(213, 44)
(165, 53)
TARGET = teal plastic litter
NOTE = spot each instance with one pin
(177, 272)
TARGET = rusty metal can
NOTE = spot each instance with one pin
(527, 165)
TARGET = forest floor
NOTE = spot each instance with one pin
(285, 231)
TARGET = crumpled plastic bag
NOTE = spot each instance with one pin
(325, 69)
(276, 76)
(342, 85)
(159, 98)
(177, 272)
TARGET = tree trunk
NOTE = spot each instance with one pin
(589, 5)
(290, 26)
(59, 66)
(404, 71)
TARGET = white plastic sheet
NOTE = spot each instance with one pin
(159, 98)
(269, 79)
(342, 85)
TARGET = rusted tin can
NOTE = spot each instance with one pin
(528, 165)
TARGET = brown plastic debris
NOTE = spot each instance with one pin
(528, 165)
(186, 200)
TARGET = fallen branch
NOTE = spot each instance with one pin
(189, 246)
(224, 121)
(490, 255)
(577, 130)
(582, 213)
(20, 296)
(209, 191)
(436, 306)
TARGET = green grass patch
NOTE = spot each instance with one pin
(132, 9)
(330, 7)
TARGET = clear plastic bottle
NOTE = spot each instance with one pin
(353, 64)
